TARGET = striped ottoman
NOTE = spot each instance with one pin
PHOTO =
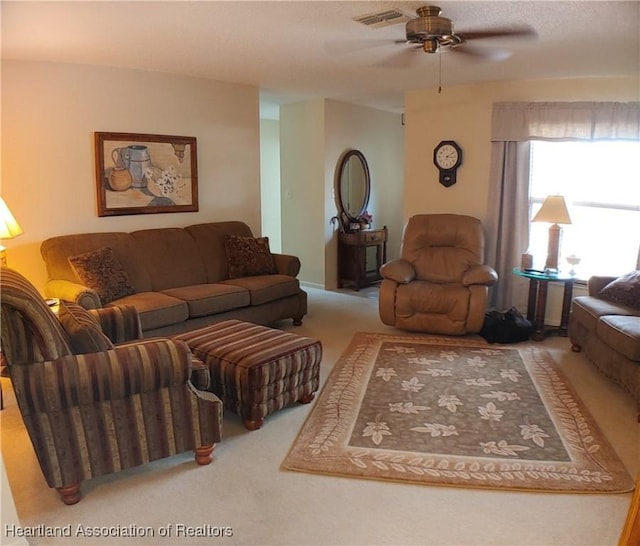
(257, 370)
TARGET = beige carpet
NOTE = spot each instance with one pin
(246, 489)
(443, 411)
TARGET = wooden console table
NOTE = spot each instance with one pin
(360, 256)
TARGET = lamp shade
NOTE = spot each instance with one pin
(553, 210)
(9, 227)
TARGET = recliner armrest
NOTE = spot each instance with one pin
(480, 274)
(399, 270)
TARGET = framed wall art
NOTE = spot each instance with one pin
(145, 174)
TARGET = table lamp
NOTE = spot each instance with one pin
(553, 210)
(9, 228)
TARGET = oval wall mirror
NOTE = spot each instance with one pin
(353, 185)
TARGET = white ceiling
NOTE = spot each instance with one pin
(296, 50)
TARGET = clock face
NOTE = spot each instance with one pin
(447, 156)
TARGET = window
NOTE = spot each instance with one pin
(600, 181)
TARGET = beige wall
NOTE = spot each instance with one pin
(380, 137)
(314, 135)
(49, 114)
(463, 114)
(302, 186)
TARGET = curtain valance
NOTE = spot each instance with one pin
(521, 121)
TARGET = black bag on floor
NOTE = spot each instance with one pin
(506, 327)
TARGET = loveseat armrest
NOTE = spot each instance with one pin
(74, 292)
(598, 282)
(287, 264)
(120, 323)
(398, 270)
(87, 379)
(480, 274)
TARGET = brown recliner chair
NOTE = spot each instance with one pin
(91, 407)
(439, 284)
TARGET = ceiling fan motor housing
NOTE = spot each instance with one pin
(430, 28)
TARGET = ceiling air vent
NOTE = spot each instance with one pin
(382, 18)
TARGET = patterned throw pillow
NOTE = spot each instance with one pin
(624, 290)
(249, 256)
(83, 329)
(101, 271)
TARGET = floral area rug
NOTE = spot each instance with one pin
(459, 412)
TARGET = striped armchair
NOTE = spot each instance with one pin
(101, 412)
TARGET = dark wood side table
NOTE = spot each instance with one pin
(537, 303)
(360, 256)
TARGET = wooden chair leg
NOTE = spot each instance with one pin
(203, 454)
(253, 424)
(70, 494)
(307, 398)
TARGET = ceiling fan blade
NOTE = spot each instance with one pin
(481, 53)
(341, 47)
(513, 32)
(401, 59)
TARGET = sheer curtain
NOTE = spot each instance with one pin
(513, 126)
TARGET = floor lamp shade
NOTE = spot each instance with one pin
(9, 228)
(554, 211)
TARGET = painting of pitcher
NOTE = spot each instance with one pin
(136, 159)
(142, 174)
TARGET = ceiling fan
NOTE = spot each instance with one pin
(432, 32)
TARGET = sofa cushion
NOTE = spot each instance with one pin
(249, 256)
(56, 251)
(588, 309)
(101, 271)
(83, 329)
(209, 299)
(426, 306)
(157, 309)
(621, 333)
(624, 290)
(266, 288)
(171, 257)
(210, 238)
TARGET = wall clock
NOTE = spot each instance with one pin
(447, 156)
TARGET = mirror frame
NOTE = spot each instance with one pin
(367, 180)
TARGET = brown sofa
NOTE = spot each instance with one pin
(178, 278)
(609, 334)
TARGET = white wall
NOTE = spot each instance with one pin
(8, 513)
(49, 114)
(314, 135)
(270, 182)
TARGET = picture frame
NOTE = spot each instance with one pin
(145, 174)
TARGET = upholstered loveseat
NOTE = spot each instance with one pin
(178, 279)
(606, 325)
